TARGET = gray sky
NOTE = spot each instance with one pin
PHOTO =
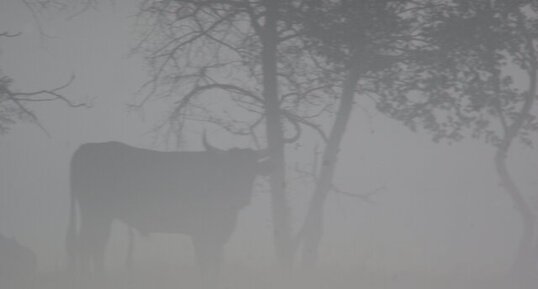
(442, 207)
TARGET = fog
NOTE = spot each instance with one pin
(438, 217)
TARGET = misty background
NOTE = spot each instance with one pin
(438, 208)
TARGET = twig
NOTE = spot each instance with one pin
(364, 197)
(19, 98)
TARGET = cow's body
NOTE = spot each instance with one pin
(194, 193)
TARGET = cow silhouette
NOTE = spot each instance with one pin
(197, 193)
(17, 264)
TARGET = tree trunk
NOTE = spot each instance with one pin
(312, 230)
(275, 138)
(524, 267)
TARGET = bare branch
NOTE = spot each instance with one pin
(297, 119)
(53, 93)
(297, 133)
(19, 98)
(7, 34)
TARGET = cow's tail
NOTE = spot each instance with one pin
(71, 234)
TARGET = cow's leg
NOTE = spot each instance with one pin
(84, 252)
(208, 253)
(130, 248)
(94, 235)
(100, 240)
(215, 231)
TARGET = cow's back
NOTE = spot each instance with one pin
(117, 166)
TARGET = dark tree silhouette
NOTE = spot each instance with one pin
(358, 40)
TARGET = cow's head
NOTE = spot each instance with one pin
(242, 157)
(236, 170)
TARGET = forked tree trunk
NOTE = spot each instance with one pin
(524, 267)
(312, 231)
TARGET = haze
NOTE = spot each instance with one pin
(438, 218)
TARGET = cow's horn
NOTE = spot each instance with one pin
(207, 146)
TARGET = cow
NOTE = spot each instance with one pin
(196, 193)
